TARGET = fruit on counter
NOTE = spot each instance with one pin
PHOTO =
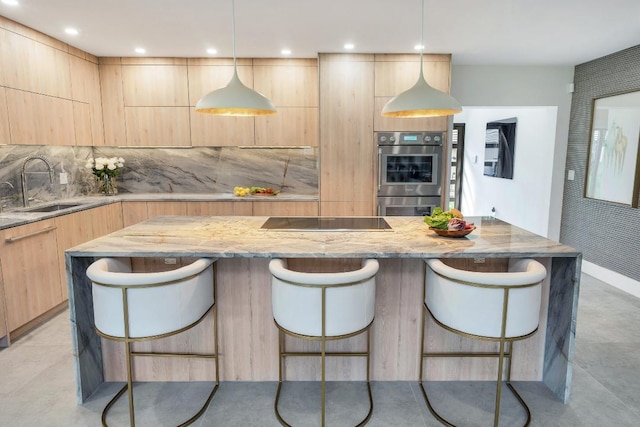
(241, 191)
(440, 219)
(264, 190)
(456, 213)
(456, 224)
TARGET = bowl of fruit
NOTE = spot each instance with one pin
(449, 223)
(254, 191)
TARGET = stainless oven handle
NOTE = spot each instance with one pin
(379, 170)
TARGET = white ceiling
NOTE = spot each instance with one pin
(545, 32)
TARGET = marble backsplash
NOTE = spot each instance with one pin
(199, 170)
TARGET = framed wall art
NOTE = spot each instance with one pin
(613, 156)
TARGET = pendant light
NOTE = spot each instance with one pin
(421, 100)
(235, 99)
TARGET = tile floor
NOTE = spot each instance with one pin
(37, 386)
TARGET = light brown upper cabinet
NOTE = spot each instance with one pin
(34, 67)
(52, 90)
(155, 84)
(156, 101)
(40, 120)
(207, 75)
(292, 85)
(5, 136)
(85, 89)
(112, 94)
(397, 73)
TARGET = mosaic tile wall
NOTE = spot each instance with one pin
(606, 233)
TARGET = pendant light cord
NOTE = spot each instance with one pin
(233, 31)
(422, 39)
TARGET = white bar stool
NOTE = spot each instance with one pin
(501, 307)
(130, 307)
(323, 307)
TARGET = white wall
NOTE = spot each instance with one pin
(523, 86)
(525, 200)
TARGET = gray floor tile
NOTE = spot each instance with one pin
(37, 386)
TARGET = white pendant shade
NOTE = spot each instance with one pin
(235, 99)
(421, 101)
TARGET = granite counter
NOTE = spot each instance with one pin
(244, 249)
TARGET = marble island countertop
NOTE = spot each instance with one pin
(239, 236)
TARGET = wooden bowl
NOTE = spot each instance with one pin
(453, 233)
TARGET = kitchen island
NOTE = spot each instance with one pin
(248, 337)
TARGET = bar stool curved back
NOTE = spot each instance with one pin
(130, 307)
(323, 307)
(501, 307)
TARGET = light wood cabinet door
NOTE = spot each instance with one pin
(79, 227)
(395, 74)
(206, 130)
(4, 331)
(31, 271)
(133, 213)
(287, 82)
(85, 88)
(33, 66)
(112, 95)
(5, 135)
(292, 85)
(82, 123)
(40, 119)
(155, 85)
(166, 208)
(347, 150)
(278, 208)
(157, 126)
(241, 208)
(291, 126)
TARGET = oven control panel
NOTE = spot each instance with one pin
(409, 138)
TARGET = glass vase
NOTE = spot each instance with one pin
(108, 186)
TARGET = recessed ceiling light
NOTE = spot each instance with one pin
(349, 46)
(286, 51)
(418, 47)
(10, 2)
(140, 50)
(71, 31)
(212, 51)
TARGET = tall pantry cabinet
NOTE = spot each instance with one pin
(353, 90)
(347, 150)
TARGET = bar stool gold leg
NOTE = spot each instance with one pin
(130, 352)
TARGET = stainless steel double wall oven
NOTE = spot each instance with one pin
(409, 172)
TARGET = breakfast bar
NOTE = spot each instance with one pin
(243, 247)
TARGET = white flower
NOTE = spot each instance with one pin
(99, 166)
(111, 166)
(120, 160)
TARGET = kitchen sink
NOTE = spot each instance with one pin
(51, 208)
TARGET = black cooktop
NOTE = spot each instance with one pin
(325, 223)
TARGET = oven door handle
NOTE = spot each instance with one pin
(379, 170)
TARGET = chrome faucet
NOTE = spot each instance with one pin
(10, 186)
(23, 175)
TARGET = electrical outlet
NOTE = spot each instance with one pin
(571, 174)
(478, 260)
(64, 178)
(170, 261)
